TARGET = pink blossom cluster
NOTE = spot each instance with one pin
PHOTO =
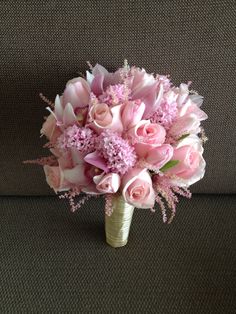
(117, 152)
(81, 138)
(127, 132)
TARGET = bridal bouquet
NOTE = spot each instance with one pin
(129, 136)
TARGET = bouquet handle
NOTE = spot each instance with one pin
(117, 225)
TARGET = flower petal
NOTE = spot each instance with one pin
(69, 117)
(97, 161)
(76, 175)
(58, 110)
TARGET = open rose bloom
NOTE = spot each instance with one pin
(125, 134)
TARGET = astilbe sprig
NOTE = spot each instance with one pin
(71, 196)
(168, 193)
(49, 160)
(108, 204)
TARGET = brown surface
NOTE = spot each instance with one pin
(53, 261)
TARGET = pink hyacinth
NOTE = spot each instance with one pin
(83, 139)
(165, 114)
(115, 94)
(117, 152)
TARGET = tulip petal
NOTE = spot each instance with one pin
(184, 125)
(69, 117)
(197, 99)
(97, 85)
(77, 93)
(183, 94)
(58, 108)
(98, 178)
(91, 189)
(76, 175)
(152, 102)
(97, 161)
(76, 156)
(99, 70)
(89, 77)
(82, 81)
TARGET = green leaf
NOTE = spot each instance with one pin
(169, 165)
(183, 136)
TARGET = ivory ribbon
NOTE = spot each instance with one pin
(117, 225)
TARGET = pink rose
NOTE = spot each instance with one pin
(77, 93)
(108, 183)
(50, 129)
(159, 156)
(146, 135)
(101, 114)
(132, 113)
(55, 179)
(137, 188)
(191, 166)
(104, 117)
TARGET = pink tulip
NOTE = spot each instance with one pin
(197, 99)
(137, 188)
(100, 79)
(50, 129)
(141, 84)
(191, 108)
(97, 161)
(187, 124)
(132, 113)
(82, 176)
(78, 175)
(146, 135)
(65, 116)
(77, 93)
(183, 93)
(153, 100)
(146, 88)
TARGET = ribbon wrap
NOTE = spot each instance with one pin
(117, 225)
